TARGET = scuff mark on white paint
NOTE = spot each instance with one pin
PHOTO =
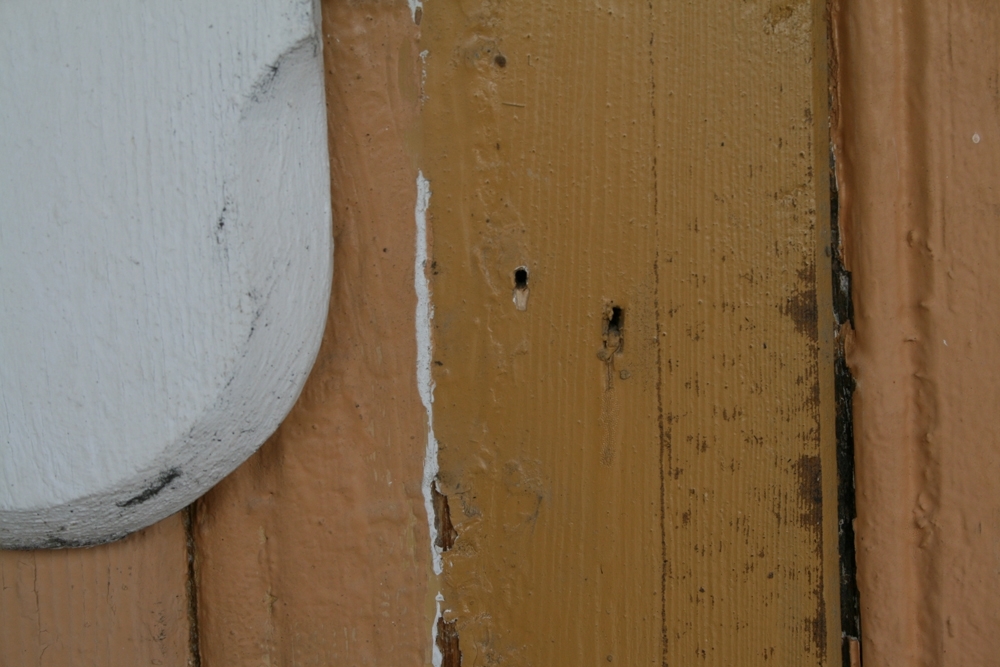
(425, 383)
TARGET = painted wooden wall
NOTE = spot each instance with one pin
(629, 457)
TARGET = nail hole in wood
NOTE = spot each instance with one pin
(521, 277)
(616, 320)
(521, 288)
(614, 332)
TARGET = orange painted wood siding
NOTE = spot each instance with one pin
(918, 161)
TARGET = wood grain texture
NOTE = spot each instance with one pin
(746, 316)
(120, 604)
(549, 454)
(918, 161)
(666, 492)
(316, 551)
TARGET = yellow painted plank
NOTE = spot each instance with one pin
(743, 216)
(539, 135)
(663, 492)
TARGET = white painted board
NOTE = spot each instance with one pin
(165, 251)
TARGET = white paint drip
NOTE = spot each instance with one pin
(425, 383)
(414, 6)
(436, 657)
(423, 76)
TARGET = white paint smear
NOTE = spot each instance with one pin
(436, 657)
(425, 383)
(414, 6)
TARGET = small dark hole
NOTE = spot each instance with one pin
(521, 278)
(617, 320)
(500, 60)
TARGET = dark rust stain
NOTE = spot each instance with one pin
(809, 470)
(816, 626)
(446, 533)
(801, 306)
(810, 477)
(447, 643)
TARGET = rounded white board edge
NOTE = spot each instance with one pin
(165, 252)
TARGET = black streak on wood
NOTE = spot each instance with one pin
(843, 312)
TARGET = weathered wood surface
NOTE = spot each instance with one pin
(667, 494)
(745, 303)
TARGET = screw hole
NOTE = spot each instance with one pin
(616, 320)
(614, 337)
(521, 277)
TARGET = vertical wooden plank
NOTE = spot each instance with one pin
(742, 200)
(918, 164)
(118, 604)
(316, 551)
(538, 149)
(677, 504)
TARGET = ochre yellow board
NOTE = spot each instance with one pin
(639, 464)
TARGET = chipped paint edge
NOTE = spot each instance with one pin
(425, 386)
(425, 383)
